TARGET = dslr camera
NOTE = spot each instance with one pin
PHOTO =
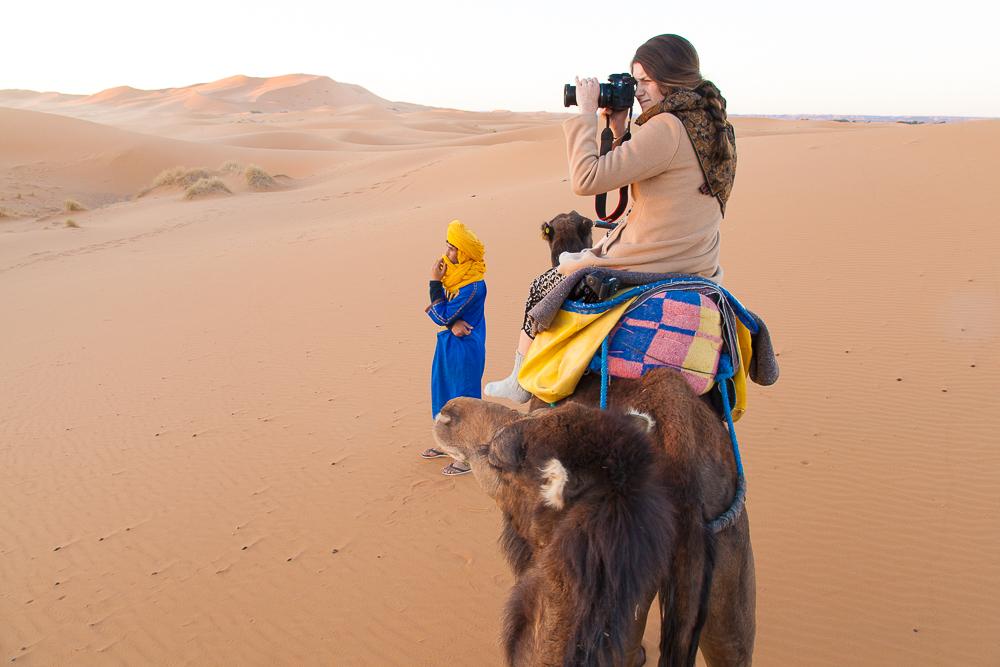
(618, 94)
(595, 287)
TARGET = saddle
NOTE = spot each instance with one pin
(683, 322)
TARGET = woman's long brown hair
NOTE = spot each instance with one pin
(672, 62)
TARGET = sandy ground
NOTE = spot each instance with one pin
(212, 408)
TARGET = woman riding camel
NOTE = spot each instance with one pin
(680, 165)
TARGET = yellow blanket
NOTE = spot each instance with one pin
(560, 354)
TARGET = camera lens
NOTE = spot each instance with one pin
(605, 96)
(569, 95)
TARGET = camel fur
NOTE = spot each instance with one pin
(567, 232)
(605, 510)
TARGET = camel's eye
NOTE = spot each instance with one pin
(491, 458)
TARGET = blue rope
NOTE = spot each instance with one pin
(724, 390)
(730, 516)
(604, 374)
(725, 373)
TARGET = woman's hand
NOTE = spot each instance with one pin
(587, 93)
(437, 271)
(460, 328)
(618, 120)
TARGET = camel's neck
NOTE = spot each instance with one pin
(553, 628)
(559, 637)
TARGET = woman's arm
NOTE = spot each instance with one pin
(649, 152)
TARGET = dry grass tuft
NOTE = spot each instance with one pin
(4, 213)
(206, 186)
(71, 223)
(181, 177)
(258, 179)
(73, 205)
(231, 167)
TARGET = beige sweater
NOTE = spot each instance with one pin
(671, 226)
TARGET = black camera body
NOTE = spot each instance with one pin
(617, 95)
(593, 288)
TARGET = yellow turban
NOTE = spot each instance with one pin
(471, 265)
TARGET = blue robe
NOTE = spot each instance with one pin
(458, 361)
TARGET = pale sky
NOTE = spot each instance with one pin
(773, 57)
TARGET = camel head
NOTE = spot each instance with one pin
(588, 527)
(567, 232)
(463, 429)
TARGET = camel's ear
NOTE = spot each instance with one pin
(586, 225)
(645, 423)
(546, 231)
(554, 479)
(507, 447)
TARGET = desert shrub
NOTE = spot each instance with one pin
(258, 179)
(181, 177)
(71, 223)
(206, 186)
(231, 167)
(74, 205)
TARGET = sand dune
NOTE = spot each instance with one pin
(48, 158)
(295, 92)
(116, 95)
(212, 408)
(52, 157)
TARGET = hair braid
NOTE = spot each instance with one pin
(715, 105)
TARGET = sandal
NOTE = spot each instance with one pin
(431, 453)
(455, 468)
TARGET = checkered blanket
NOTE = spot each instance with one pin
(677, 328)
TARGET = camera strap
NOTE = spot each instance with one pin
(604, 220)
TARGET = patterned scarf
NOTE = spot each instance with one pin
(690, 108)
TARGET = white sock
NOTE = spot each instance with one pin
(508, 387)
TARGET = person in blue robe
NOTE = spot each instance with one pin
(458, 304)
